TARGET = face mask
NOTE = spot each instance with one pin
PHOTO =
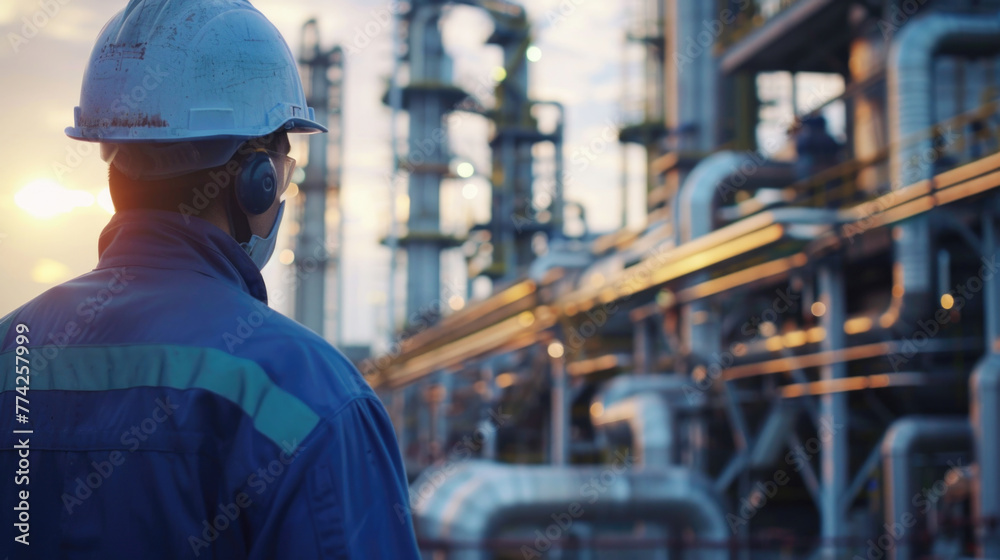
(261, 248)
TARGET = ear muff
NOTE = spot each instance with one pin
(257, 183)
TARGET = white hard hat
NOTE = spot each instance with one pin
(176, 85)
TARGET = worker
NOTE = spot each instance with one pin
(816, 148)
(165, 411)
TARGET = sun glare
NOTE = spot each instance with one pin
(45, 198)
(48, 271)
(104, 201)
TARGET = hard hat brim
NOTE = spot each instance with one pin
(123, 135)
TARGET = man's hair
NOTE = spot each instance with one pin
(191, 194)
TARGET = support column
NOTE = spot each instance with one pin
(560, 407)
(832, 429)
(487, 425)
(311, 244)
(984, 391)
(423, 424)
(427, 101)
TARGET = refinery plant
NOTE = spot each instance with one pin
(797, 356)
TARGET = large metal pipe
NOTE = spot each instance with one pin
(559, 412)
(692, 69)
(911, 118)
(911, 105)
(649, 420)
(984, 412)
(460, 506)
(673, 385)
(694, 210)
(906, 438)
(717, 178)
(648, 405)
(834, 459)
(427, 157)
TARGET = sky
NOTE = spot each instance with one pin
(49, 231)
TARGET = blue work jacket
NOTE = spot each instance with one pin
(167, 412)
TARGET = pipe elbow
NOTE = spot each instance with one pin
(693, 209)
(985, 377)
(919, 39)
(477, 499)
(914, 433)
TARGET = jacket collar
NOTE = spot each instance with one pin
(169, 240)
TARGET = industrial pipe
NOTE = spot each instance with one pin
(984, 412)
(910, 81)
(559, 412)
(905, 439)
(648, 404)
(717, 177)
(649, 419)
(460, 506)
(911, 118)
(673, 385)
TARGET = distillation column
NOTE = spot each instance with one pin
(325, 69)
(427, 99)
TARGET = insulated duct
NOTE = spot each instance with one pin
(677, 387)
(905, 439)
(984, 412)
(427, 103)
(910, 81)
(692, 69)
(647, 405)
(461, 506)
(716, 178)
(649, 420)
(911, 121)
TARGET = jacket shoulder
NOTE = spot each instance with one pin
(304, 363)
